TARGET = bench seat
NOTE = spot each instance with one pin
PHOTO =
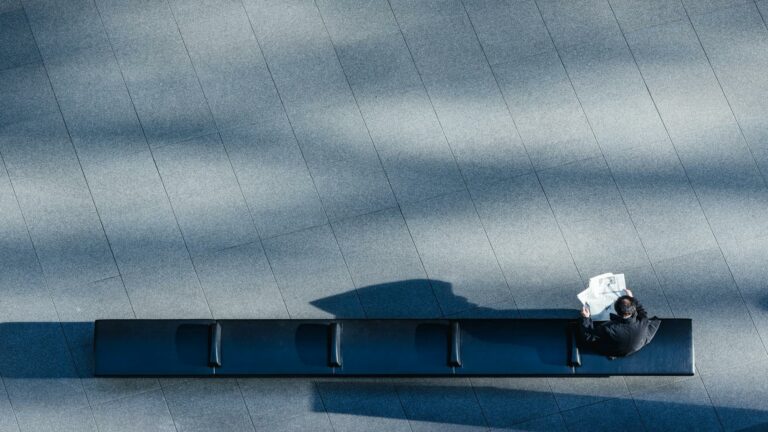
(374, 347)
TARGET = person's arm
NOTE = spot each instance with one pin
(641, 312)
(588, 330)
(587, 327)
(653, 327)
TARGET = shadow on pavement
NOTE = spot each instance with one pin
(417, 298)
(64, 350)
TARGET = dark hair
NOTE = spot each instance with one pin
(625, 306)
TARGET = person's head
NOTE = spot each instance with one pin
(625, 306)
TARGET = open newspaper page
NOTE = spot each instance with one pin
(602, 292)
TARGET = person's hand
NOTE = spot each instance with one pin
(585, 311)
(629, 292)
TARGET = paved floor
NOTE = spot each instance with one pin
(198, 158)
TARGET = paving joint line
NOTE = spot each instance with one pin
(674, 148)
(534, 170)
(221, 141)
(431, 198)
(29, 236)
(10, 403)
(421, 262)
(73, 362)
(751, 153)
(469, 190)
(370, 136)
(168, 408)
(306, 164)
(725, 95)
(733, 279)
(757, 166)
(368, 131)
(79, 163)
(402, 406)
(48, 291)
(607, 165)
(479, 405)
(762, 17)
(255, 227)
(152, 156)
(594, 135)
(316, 386)
(247, 408)
(669, 136)
(463, 175)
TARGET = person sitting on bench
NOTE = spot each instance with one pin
(628, 330)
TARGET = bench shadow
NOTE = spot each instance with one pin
(505, 404)
(65, 349)
(424, 298)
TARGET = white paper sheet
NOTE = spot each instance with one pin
(602, 292)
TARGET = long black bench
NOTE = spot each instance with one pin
(373, 347)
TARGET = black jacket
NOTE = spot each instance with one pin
(620, 336)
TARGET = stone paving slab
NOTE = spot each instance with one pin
(593, 418)
(96, 106)
(678, 406)
(169, 290)
(282, 198)
(696, 286)
(386, 267)
(454, 247)
(238, 283)
(425, 402)
(416, 156)
(160, 76)
(312, 274)
(529, 245)
(581, 392)
(547, 114)
(739, 395)
(25, 95)
(751, 279)
(474, 158)
(17, 45)
(464, 92)
(143, 411)
(203, 405)
(510, 401)
(136, 212)
(285, 404)
(677, 226)
(508, 31)
(573, 23)
(633, 15)
(613, 95)
(378, 400)
(205, 195)
(63, 28)
(124, 21)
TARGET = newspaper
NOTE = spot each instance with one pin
(602, 292)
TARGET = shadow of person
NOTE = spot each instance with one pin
(427, 298)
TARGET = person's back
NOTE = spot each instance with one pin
(627, 332)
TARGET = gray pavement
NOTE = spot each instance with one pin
(380, 158)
